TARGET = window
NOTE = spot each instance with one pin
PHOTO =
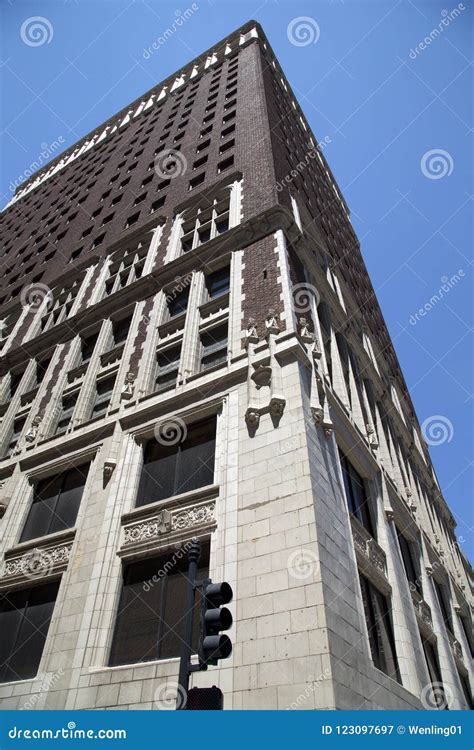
(444, 604)
(87, 347)
(167, 368)
(18, 425)
(120, 330)
(225, 164)
(379, 627)
(104, 390)
(227, 131)
(197, 181)
(218, 283)
(41, 369)
(214, 346)
(209, 221)
(357, 500)
(227, 146)
(409, 562)
(126, 268)
(437, 695)
(68, 405)
(61, 305)
(56, 503)
(169, 470)
(24, 622)
(150, 618)
(178, 303)
(466, 625)
(156, 205)
(200, 162)
(132, 220)
(15, 380)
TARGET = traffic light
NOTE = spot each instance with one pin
(214, 618)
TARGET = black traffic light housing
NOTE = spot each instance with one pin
(214, 618)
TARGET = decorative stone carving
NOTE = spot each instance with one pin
(316, 349)
(251, 335)
(129, 386)
(304, 331)
(365, 543)
(142, 531)
(252, 417)
(317, 414)
(422, 610)
(429, 570)
(262, 376)
(196, 516)
(108, 470)
(271, 322)
(32, 433)
(389, 514)
(277, 406)
(372, 435)
(38, 562)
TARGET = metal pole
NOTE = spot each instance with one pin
(187, 648)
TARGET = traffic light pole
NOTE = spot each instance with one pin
(187, 648)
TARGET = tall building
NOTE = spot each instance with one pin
(191, 347)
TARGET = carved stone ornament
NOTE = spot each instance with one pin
(271, 322)
(252, 417)
(262, 375)
(389, 515)
(251, 335)
(142, 531)
(277, 406)
(32, 433)
(429, 571)
(304, 331)
(109, 467)
(317, 414)
(129, 386)
(316, 349)
(37, 563)
(196, 516)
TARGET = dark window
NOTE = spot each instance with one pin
(152, 607)
(18, 425)
(15, 379)
(197, 180)
(356, 496)
(172, 469)
(104, 390)
(121, 329)
(214, 346)
(56, 503)
(24, 622)
(409, 562)
(218, 283)
(466, 688)
(158, 204)
(466, 624)
(379, 627)
(41, 369)
(87, 347)
(67, 409)
(437, 695)
(178, 303)
(444, 605)
(168, 365)
(226, 164)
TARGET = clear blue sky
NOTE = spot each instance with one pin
(366, 85)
